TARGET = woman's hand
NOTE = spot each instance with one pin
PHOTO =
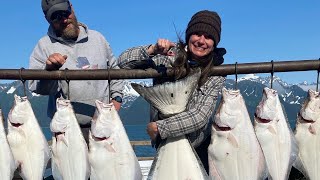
(152, 130)
(116, 104)
(161, 47)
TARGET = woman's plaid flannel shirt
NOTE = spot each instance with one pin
(196, 120)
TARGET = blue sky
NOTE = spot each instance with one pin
(252, 31)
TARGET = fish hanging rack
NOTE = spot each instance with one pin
(111, 74)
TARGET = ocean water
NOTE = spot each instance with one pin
(134, 132)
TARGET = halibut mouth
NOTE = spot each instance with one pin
(221, 128)
(96, 138)
(56, 134)
(261, 120)
(303, 120)
(16, 124)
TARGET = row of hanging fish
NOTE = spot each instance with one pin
(239, 149)
(25, 148)
(267, 148)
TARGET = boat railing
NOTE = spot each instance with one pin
(134, 144)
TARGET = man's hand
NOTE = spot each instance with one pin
(55, 61)
(152, 130)
(116, 104)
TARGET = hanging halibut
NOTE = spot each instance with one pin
(7, 163)
(275, 136)
(176, 158)
(28, 144)
(69, 149)
(111, 155)
(307, 134)
(234, 152)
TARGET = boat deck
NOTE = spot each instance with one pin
(145, 167)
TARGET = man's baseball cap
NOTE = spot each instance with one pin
(51, 6)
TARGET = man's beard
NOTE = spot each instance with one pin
(70, 32)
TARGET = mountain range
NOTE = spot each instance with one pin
(135, 110)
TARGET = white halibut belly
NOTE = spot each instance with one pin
(71, 161)
(111, 155)
(234, 151)
(275, 136)
(107, 165)
(30, 153)
(309, 153)
(177, 161)
(236, 163)
(221, 155)
(27, 142)
(100, 159)
(7, 164)
(69, 149)
(277, 150)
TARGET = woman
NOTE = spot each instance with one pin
(200, 50)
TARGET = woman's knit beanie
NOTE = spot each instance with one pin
(207, 22)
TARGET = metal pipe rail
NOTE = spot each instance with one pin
(104, 74)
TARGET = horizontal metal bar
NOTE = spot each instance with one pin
(266, 67)
(104, 74)
(140, 143)
(98, 74)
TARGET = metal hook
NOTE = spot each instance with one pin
(317, 89)
(236, 74)
(68, 83)
(23, 81)
(108, 70)
(272, 72)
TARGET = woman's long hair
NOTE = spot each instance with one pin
(205, 63)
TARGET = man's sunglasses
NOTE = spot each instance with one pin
(60, 15)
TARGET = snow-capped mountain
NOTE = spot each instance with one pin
(305, 86)
(265, 81)
(290, 93)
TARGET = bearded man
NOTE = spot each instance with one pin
(70, 44)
